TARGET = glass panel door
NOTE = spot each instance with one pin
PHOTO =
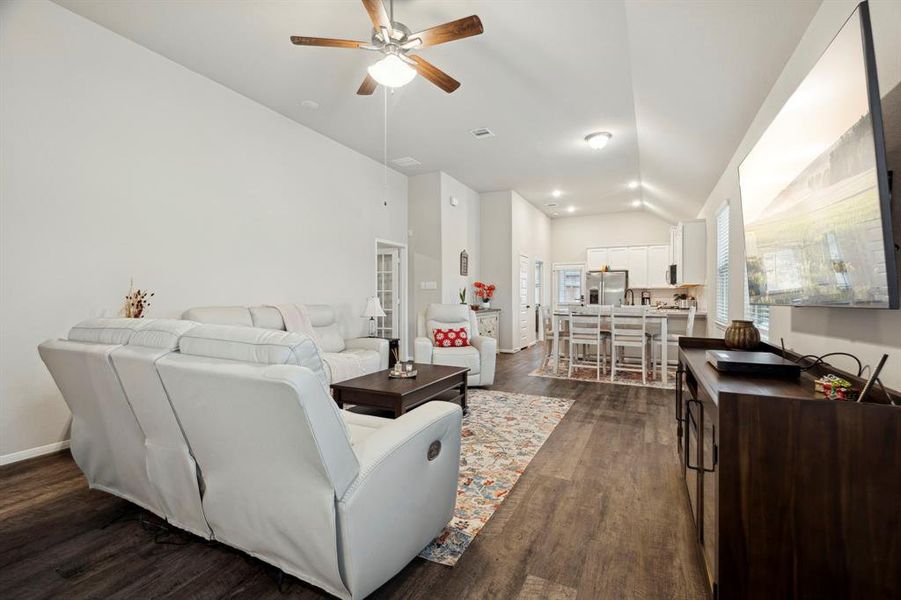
(387, 267)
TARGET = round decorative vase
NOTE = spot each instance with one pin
(486, 303)
(742, 335)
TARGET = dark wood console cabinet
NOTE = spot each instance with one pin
(793, 495)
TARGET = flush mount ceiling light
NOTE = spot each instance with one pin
(571, 209)
(556, 193)
(392, 72)
(598, 139)
(633, 185)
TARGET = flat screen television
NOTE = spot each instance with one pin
(814, 189)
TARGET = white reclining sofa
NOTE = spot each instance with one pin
(372, 353)
(480, 357)
(229, 432)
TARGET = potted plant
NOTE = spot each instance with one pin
(463, 295)
(484, 292)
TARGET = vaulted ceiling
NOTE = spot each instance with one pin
(677, 83)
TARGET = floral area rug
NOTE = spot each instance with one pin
(501, 434)
(590, 374)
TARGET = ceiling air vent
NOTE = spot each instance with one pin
(551, 204)
(482, 133)
(406, 161)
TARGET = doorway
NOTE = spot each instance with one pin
(390, 288)
(526, 308)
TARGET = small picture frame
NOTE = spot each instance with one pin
(464, 263)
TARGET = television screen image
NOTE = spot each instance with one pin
(814, 188)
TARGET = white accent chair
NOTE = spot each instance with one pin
(480, 357)
(372, 353)
(340, 500)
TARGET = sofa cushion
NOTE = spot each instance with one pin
(330, 339)
(267, 317)
(370, 360)
(320, 314)
(219, 315)
(106, 331)
(255, 345)
(163, 334)
(467, 356)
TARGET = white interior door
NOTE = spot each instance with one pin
(387, 289)
(526, 308)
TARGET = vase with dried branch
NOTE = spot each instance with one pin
(136, 302)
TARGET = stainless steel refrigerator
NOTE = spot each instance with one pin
(606, 287)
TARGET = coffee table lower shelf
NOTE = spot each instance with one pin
(378, 391)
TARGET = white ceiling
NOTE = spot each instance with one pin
(677, 83)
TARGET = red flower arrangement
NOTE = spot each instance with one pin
(484, 291)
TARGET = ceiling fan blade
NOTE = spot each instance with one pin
(377, 14)
(368, 86)
(455, 30)
(435, 75)
(327, 42)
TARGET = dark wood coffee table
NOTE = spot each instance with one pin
(377, 390)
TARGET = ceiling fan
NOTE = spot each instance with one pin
(395, 41)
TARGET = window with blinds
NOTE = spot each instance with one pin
(722, 266)
(759, 313)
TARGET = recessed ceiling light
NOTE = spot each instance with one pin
(551, 204)
(598, 139)
(636, 203)
(556, 214)
(310, 105)
(571, 209)
(556, 193)
(633, 185)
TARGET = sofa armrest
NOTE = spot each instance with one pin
(380, 345)
(487, 348)
(403, 496)
(422, 350)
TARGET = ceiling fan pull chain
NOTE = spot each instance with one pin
(385, 146)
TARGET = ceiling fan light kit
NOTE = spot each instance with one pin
(392, 72)
(395, 42)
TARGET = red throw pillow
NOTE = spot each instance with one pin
(451, 338)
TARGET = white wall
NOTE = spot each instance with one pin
(572, 236)
(424, 245)
(531, 238)
(460, 229)
(866, 333)
(119, 163)
(497, 255)
(512, 227)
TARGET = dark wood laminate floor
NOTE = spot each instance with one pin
(599, 513)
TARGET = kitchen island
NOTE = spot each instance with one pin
(660, 320)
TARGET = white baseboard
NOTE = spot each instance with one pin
(33, 452)
(505, 351)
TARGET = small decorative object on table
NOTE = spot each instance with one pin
(373, 309)
(484, 291)
(402, 370)
(742, 335)
(136, 302)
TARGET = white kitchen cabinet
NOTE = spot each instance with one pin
(597, 259)
(618, 258)
(688, 241)
(637, 264)
(658, 265)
